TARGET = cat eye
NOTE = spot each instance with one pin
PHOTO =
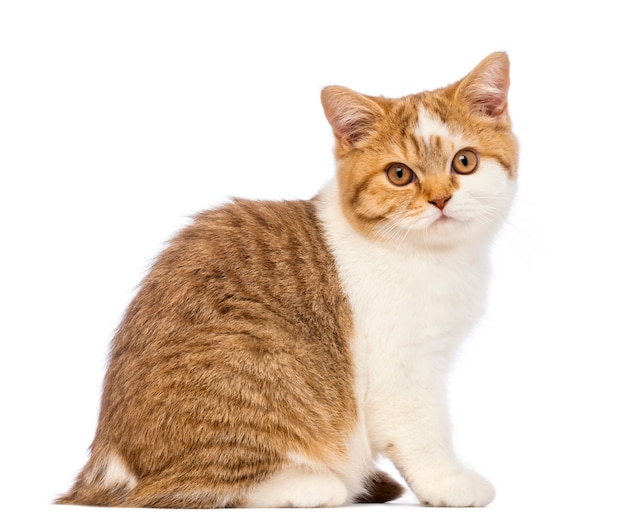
(400, 174)
(465, 162)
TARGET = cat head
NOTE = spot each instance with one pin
(436, 168)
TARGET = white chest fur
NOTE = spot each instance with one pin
(422, 302)
(410, 310)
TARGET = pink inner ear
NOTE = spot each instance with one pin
(348, 120)
(490, 104)
(350, 114)
(487, 86)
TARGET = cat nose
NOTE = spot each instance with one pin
(440, 203)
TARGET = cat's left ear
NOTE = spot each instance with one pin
(486, 87)
(352, 116)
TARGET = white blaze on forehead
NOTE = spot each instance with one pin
(429, 125)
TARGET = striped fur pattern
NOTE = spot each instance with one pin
(275, 349)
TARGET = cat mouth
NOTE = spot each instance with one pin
(445, 224)
(443, 219)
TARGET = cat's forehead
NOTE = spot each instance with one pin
(431, 128)
(423, 135)
(426, 120)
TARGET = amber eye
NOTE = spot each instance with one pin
(400, 174)
(465, 162)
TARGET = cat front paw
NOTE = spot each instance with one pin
(459, 489)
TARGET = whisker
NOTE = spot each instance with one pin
(401, 242)
(389, 231)
(393, 227)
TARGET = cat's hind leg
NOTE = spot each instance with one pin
(299, 487)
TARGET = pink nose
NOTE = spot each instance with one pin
(440, 203)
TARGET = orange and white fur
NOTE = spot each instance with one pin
(277, 348)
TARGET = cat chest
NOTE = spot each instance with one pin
(413, 302)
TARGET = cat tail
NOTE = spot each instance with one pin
(104, 481)
(380, 487)
(94, 495)
(107, 481)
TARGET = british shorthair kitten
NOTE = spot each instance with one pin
(276, 349)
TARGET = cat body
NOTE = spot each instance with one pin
(276, 349)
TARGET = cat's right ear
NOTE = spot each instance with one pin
(352, 116)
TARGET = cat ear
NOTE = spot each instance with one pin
(486, 87)
(351, 115)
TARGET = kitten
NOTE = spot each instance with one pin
(277, 348)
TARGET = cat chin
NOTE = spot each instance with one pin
(449, 233)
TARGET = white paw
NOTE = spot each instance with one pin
(459, 489)
(294, 488)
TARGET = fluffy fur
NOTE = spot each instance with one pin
(277, 348)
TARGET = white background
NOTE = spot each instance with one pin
(118, 120)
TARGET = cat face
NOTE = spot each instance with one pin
(434, 168)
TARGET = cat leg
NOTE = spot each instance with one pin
(457, 487)
(409, 423)
(299, 487)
